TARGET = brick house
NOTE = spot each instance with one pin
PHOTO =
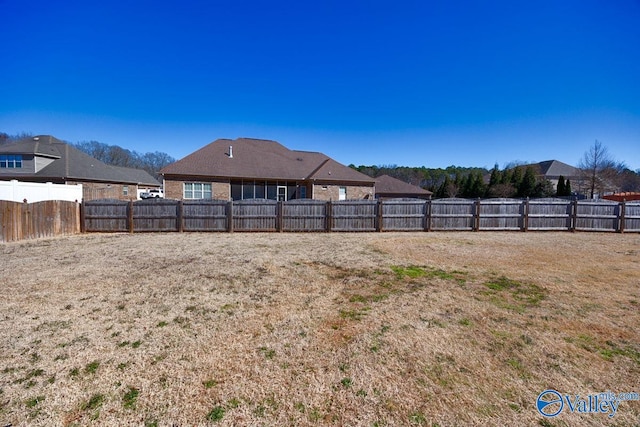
(44, 158)
(247, 168)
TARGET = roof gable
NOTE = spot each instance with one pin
(71, 163)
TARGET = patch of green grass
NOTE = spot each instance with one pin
(315, 415)
(502, 283)
(136, 344)
(94, 402)
(74, 372)
(130, 398)
(411, 271)
(519, 367)
(346, 382)
(268, 353)
(417, 418)
(414, 272)
(216, 414)
(614, 349)
(33, 402)
(124, 343)
(513, 295)
(358, 298)
(354, 314)
(209, 383)
(465, 321)
(233, 403)
(92, 367)
(162, 324)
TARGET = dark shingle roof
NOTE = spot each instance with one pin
(69, 163)
(261, 159)
(389, 186)
(555, 168)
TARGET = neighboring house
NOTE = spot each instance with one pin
(553, 169)
(388, 187)
(247, 168)
(47, 159)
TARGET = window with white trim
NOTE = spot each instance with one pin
(342, 194)
(197, 190)
(10, 161)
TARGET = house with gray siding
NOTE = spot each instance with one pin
(44, 158)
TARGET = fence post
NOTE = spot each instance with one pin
(279, 215)
(621, 216)
(83, 228)
(379, 215)
(476, 215)
(230, 216)
(329, 217)
(525, 214)
(130, 216)
(427, 215)
(179, 221)
(574, 215)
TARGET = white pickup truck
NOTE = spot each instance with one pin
(154, 193)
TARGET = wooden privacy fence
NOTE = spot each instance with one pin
(49, 218)
(361, 215)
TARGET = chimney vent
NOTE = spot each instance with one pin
(231, 151)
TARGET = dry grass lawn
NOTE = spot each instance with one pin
(374, 329)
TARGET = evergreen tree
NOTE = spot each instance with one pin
(527, 184)
(560, 187)
(516, 178)
(443, 188)
(567, 188)
(496, 176)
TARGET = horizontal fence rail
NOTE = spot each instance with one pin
(51, 218)
(360, 215)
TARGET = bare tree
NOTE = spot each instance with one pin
(599, 169)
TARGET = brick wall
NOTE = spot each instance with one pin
(332, 192)
(101, 190)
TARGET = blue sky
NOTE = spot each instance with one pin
(412, 83)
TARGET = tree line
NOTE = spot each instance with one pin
(455, 181)
(599, 174)
(114, 155)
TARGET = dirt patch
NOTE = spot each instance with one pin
(316, 329)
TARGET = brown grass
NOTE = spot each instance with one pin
(316, 329)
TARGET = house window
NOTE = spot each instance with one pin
(302, 192)
(125, 190)
(197, 190)
(10, 161)
(342, 195)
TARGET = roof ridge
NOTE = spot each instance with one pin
(313, 172)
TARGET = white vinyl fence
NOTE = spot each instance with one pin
(31, 192)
